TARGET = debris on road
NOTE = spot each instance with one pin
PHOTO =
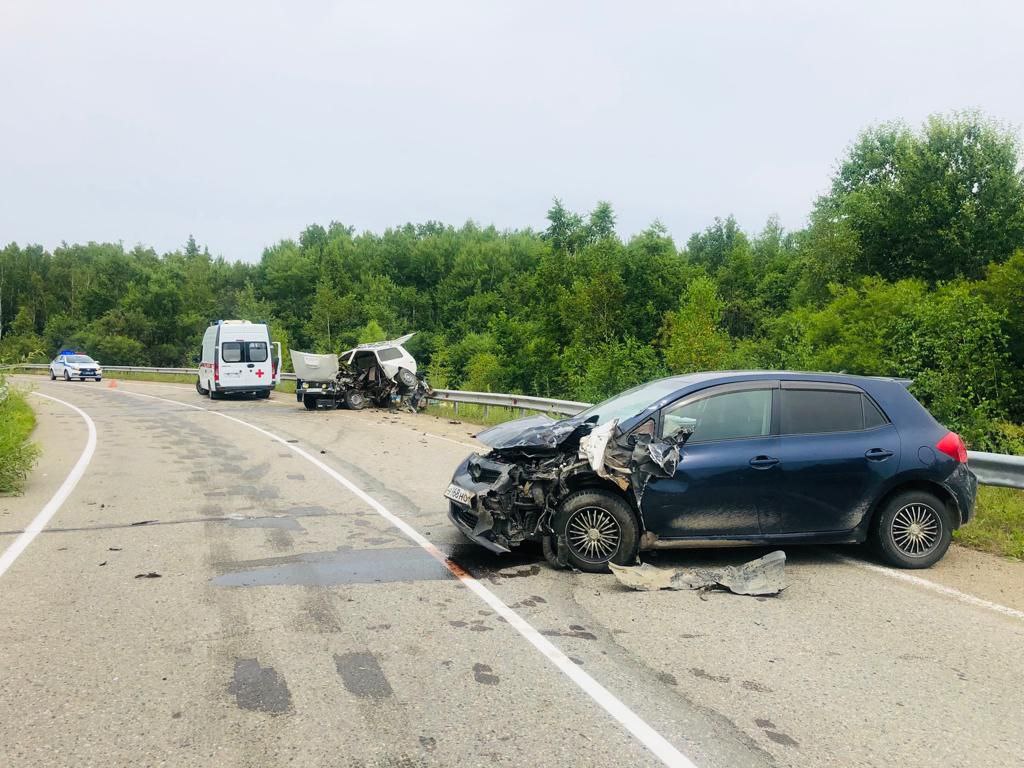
(143, 522)
(763, 576)
(103, 563)
(149, 575)
(113, 549)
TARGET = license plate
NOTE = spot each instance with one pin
(458, 494)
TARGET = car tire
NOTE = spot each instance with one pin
(263, 394)
(913, 530)
(354, 400)
(405, 379)
(199, 387)
(99, 378)
(66, 376)
(599, 527)
(53, 376)
(309, 402)
(213, 393)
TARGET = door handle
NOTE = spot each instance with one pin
(251, 365)
(763, 462)
(877, 454)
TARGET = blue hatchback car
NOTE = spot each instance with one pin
(726, 458)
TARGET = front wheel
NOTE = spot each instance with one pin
(309, 402)
(53, 376)
(67, 377)
(599, 527)
(913, 530)
(354, 400)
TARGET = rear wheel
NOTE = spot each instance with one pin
(53, 376)
(354, 400)
(309, 401)
(599, 528)
(213, 393)
(199, 387)
(263, 394)
(913, 530)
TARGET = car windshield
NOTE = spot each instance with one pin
(79, 359)
(631, 402)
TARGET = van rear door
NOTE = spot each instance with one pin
(245, 362)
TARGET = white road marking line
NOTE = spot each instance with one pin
(934, 587)
(21, 543)
(632, 722)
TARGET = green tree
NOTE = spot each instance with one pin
(692, 337)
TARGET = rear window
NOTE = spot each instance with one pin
(873, 416)
(231, 352)
(257, 351)
(389, 353)
(814, 411)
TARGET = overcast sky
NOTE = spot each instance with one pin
(242, 122)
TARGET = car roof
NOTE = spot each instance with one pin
(382, 344)
(711, 377)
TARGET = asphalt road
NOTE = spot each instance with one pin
(293, 623)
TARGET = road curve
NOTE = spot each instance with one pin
(293, 623)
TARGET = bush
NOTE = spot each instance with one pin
(17, 455)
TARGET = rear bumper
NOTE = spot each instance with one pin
(230, 390)
(963, 485)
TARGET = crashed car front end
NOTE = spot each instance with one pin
(510, 494)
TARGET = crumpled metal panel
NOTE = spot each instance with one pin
(763, 576)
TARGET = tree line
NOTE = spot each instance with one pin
(911, 265)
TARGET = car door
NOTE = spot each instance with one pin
(58, 366)
(836, 449)
(726, 465)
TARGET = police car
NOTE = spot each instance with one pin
(72, 365)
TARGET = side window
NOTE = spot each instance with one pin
(816, 411)
(728, 416)
(231, 352)
(257, 351)
(873, 416)
(389, 353)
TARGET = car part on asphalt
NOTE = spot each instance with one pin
(763, 576)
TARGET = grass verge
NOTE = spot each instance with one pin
(17, 454)
(998, 525)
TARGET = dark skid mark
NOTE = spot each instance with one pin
(482, 674)
(356, 566)
(698, 672)
(575, 631)
(259, 688)
(753, 685)
(296, 476)
(284, 523)
(782, 738)
(361, 674)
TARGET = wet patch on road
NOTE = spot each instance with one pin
(362, 675)
(482, 673)
(342, 566)
(259, 688)
(575, 630)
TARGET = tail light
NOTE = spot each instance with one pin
(953, 446)
(216, 371)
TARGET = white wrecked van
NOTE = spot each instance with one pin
(237, 358)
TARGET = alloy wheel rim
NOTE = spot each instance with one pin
(916, 529)
(593, 534)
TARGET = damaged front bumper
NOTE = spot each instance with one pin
(478, 486)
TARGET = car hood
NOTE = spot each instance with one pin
(537, 432)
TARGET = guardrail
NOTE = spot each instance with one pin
(991, 468)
